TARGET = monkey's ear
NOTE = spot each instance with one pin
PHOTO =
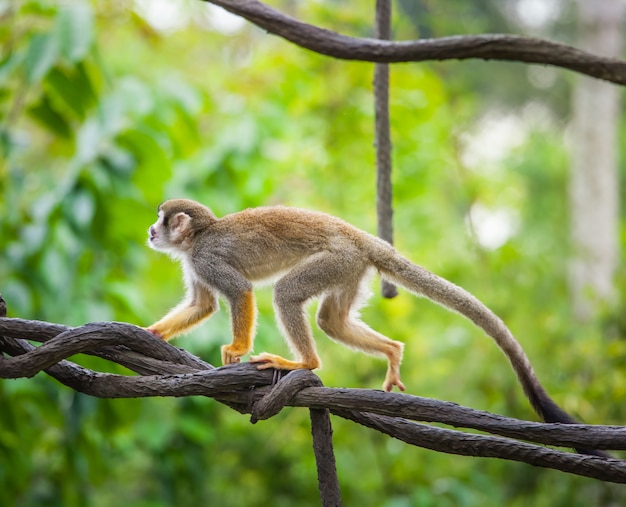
(180, 223)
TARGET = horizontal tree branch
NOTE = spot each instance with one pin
(136, 349)
(464, 444)
(487, 46)
(249, 390)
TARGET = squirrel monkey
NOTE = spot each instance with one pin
(312, 255)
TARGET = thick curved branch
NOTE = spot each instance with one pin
(125, 344)
(486, 47)
(249, 390)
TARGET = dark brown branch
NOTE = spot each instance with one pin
(327, 478)
(282, 393)
(232, 385)
(448, 441)
(487, 47)
(230, 381)
(436, 411)
(109, 340)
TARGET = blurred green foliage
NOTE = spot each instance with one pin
(103, 116)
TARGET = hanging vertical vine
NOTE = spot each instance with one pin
(384, 193)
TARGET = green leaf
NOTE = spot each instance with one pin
(68, 92)
(41, 55)
(153, 162)
(83, 208)
(73, 88)
(56, 266)
(75, 29)
(45, 114)
(20, 296)
(9, 64)
(88, 141)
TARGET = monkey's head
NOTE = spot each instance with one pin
(179, 220)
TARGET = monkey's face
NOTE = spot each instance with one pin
(157, 234)
(170, 233)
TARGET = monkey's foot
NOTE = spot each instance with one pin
(231, 354)
(392, 379)
(266, 361)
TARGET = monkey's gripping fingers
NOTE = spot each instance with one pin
(155, 332)
(232, 354)
(392, 379)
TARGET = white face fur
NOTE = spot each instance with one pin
(155, 235)
(170, 238)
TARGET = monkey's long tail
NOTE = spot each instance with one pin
(422, 282)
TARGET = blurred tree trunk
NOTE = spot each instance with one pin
(594, 191)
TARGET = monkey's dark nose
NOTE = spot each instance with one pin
(152, 232)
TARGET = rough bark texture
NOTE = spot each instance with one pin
(594, 188)
(327, 478)
(168, 371)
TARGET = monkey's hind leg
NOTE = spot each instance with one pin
(293, 321)
(338, 318)
(304, 282)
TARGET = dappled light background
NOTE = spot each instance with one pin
(108, 108)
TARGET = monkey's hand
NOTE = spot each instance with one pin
(392, 379)
(232, 354)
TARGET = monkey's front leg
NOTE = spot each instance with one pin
(199, 305)
(243, 315)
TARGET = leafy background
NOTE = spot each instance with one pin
(105, 113)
